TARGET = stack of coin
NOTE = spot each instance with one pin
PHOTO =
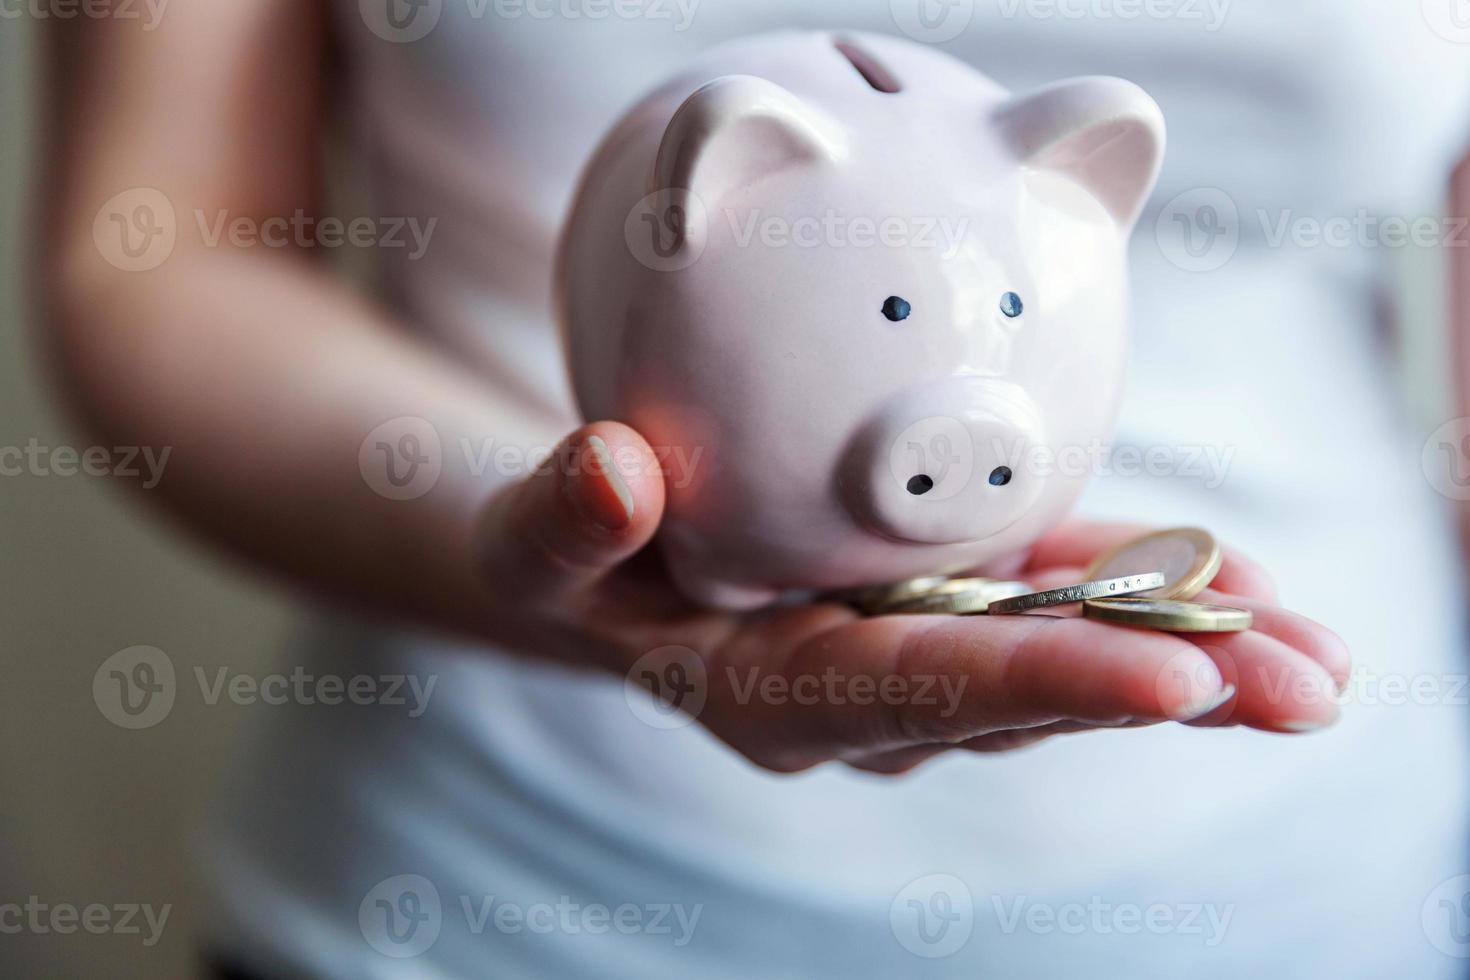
(1146, 582)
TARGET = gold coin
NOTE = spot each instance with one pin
(1127, 585)
(1169, 615)
(1188, 557)
(960, 597)
(866, 597)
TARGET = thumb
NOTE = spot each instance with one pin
(594, 502)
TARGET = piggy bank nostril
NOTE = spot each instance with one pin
(920, 485)
(1000, 476)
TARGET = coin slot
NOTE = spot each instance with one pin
(920, 485)
(872, 70)
(1000, 476)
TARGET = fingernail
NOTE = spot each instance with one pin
(1201, 708)
(1301, 725)
(604, 496)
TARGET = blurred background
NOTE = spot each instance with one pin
(93, 813)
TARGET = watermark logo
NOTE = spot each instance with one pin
(1445, 917)
(136, 231)
(401, 21)
(150, 12)
(401, 459)
(40, 918)
(1450, 19)
(932, 21)
(142, 463)
(1208, 922)
(1210, 13)
(401, 916)
(933, 916)
(1199, 230)
(1446, 459)
(664, 231)
(411, 235)
(933, 459)
(942, 234)
(667, 688)
(135, 688)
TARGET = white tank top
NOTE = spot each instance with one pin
(545, 830)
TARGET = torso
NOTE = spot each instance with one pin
(530, 783)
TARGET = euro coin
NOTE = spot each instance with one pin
(869, 597)
(1126, 585)
(959, 597)
(1169, 615)
(1188, 557)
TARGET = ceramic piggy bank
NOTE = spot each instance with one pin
(872, 304)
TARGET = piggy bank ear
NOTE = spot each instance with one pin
(736, 130)
(1104, 133)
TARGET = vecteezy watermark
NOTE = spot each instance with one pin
(404, 458)
(666, 231)
(1450, 19)
(1446, 459)
(401, 459)
(40, 918)
(136, 230)
(1445, 917)
(302, 230)
(1201, 229)
(932, 21)
(403, 916)
(1097, 916)
(943, 450)
(406, 21)
(150, 12)
(139, 229)
(124, 462)
(136, 688)
(1211, 14)
(941, 234)
(933, 916)
(667, 687)
(832, 687)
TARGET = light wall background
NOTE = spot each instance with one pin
(90, 812)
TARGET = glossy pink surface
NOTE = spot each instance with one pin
(723, 282)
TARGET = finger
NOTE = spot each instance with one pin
(892, 683)
(1025, 737)
(1076, 543)
(594, 502)
(898, 761)
(1279, 689)
(1298, 632)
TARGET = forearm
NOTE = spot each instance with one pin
(1460, 317)
(262, 377)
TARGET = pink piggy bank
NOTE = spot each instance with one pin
(862, 300)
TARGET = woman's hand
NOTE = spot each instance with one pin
(793, 687)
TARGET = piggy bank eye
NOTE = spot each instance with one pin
(1011, 306)
(897, 308)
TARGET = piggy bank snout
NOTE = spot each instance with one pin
(946, 463)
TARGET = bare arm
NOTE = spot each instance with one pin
(260, 372)
(1460, 314)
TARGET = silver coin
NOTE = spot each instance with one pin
(1101, 589)
(959, 597)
